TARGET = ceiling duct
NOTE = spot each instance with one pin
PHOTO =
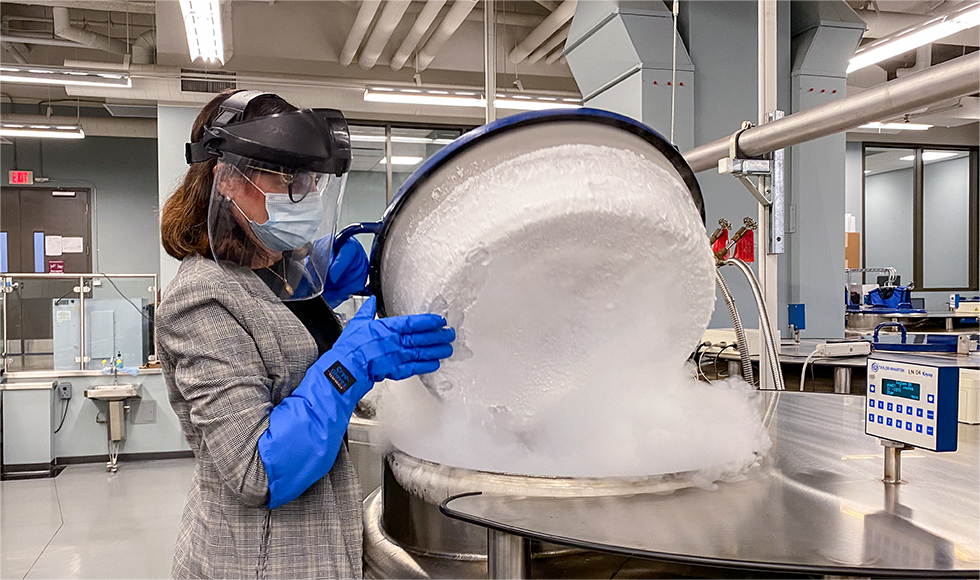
(64, 29)
(450, 23)
(131, 111)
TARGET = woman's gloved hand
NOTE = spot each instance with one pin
(345, 272)
(307, 428)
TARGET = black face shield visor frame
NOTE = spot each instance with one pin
(315, 140)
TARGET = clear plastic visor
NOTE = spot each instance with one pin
(265, 218)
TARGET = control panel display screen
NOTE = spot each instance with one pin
(902, 389)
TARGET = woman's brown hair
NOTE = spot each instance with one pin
(184, 218)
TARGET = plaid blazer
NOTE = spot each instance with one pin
(230, 351)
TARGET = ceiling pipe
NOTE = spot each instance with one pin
(552, 23)
(64, 29)
(510, 19)
(18, 56)
(144, 48)
(422, 23)
(549, 4)
(547, 47)
(365, 15)
(457, 13)
(18, 39)
(951, 79)
(391, 15)
(557, 55)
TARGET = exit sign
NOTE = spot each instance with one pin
(21, 177)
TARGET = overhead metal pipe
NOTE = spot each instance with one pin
(20, 58)
(42, 40)
(391, 15)
(548, 26)
(365, 15)
(951, 79)
(547, 47)
(64, 29)
(422, 23)
(454, 17)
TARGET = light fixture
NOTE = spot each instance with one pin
(202, 23)
(465, 99)
(402, 160)
(896, 126)
(41, 131)
(912, 38)
(931, 155)
(40, 75)
(400, 139)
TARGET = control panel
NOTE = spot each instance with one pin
(912, 403)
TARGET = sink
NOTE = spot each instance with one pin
(111, 392)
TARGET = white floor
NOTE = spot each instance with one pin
(87, 523)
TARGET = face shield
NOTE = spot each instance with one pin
(265, 217)
(278, 184)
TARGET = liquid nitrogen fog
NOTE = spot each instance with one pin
(579, 279)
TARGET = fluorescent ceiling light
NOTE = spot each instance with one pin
(465, 99)
(202, 23)
(41, 131)
(931, 155)
(399, 139)
(896, 126)
(35, 75)
(913, 38)
(402, 160)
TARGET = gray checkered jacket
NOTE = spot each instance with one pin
(230, 351)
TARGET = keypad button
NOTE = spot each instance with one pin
(890, 406)
(931, 398)
(881, 419)
(908, 425)
(918, 428)
(928, 430)
(898, 408)
(881, 404)
(930, 415)
(908, 410)
(888, 421)
(872, 388)
(871, 403)
(898, 423)
(871, 417)
(918, 412)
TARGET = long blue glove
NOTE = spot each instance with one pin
(346, 272)
(306, 429)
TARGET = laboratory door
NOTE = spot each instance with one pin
(45, 231)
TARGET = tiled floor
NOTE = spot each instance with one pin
(87, 523)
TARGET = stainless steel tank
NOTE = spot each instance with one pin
(406, 536)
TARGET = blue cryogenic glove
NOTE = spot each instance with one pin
(346, 271)
(307, 428)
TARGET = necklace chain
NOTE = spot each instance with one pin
(289, 289)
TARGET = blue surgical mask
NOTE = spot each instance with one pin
(290, 225)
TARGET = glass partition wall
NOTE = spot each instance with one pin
(921, 215)
(77, 322)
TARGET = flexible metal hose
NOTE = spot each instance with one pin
(772, 349)
(740, 341)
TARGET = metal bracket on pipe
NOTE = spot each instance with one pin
(742, 166)
(770, 170)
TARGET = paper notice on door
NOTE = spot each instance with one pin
(73, 245)
(52, 245)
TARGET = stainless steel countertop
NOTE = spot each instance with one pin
(817, 505)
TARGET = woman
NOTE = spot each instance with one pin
(258, 370)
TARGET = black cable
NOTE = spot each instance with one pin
(717, 356)
(143, 314)
(63, 415)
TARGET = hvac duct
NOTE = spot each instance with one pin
(144, 48)
(552, 23)
(64, 29)
(14, 52)
(457, 13)
(422, 23)
(365, 14)
(547, 47)
(45, 41)
(391, 15)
